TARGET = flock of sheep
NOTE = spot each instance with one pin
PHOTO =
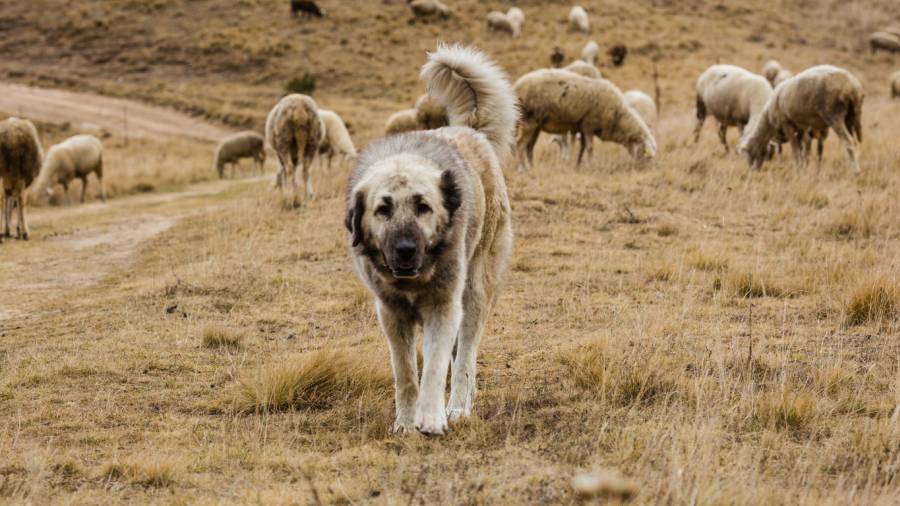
(571, 102)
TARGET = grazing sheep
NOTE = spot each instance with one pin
(578, 20)
(430, 114)
(429, 9)
(516, 15)
(782, 76)
(307, 7)
(643, 104)
(590, 51)
(770, 70)
(499, 22)
(557, 57)
(885, 42)
(734, 96)
(895, 85)
(294, 130)
(337, 138)
(811, 102)
(233, 148)
(20, 160)
(560, 102)
(617, 54)
(584, 69)
(401, 121)
(74, 158)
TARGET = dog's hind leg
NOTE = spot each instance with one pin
(463, 385)
(442, 326)
(401, 339)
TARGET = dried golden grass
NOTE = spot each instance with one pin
(218, 336)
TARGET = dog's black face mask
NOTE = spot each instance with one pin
(404, 250)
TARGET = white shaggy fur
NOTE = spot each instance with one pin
(734, 96)
(782, 76)
(516, 15)
(578, 20)
(559, 102)
(811, 102)
(589, 52)
(75, 158)
(429, 8)
(643, 104)
(401, 121)
(430, 113)
(430, 228)
(583, 69)
(336, 137)
(475, 91)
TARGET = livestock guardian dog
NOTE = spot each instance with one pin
(429, 221)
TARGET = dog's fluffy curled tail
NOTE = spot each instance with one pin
(475, 91)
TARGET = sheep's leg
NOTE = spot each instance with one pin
(847, 140)
(83, 188)
(22, 225)
(4, 214)
(525, 145)
(797, 148)
(820, 148)
(66, 199)
(701, 118)
(307, 165)
(723, 135)
(585, 145)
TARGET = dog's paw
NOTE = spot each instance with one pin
(432, 424)
(456, 414)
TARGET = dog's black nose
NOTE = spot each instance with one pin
(405, 249)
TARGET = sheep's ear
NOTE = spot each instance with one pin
(353, 221)
(450, 193)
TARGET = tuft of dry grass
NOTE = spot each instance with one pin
(607, 484)
(748, 285)
(218, 336)
(317, 381)
(150, 474)
(873, 302)
(792, 411)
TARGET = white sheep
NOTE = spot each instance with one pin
(811, 102)
(20, 160)
(337, 138)
(884, 41)
(561, 102)
(232, 149)
(590, 51)
(578, 20)
(401, 121)
(583, 68)
(734, 96)
(75, 158)
(643, 104)
(499, 22)
(294, 130)
(782, 76)
(770, 70)
(895, 85)
(516, 15)
(430, 114)
(429, 8)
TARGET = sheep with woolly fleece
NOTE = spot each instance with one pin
(77, 157)
(583, 68)
(430, 114)
(559, 102)
(895, 85)
(733, 95)
(429, 9)
(782, 76)
(578, 20)
(294, 131)
(401, 121)
(884, 41)
(589, 52)
(770, 70)
(815, 100)
(516, 15)
(21, 157)
(232, 149)
(337, 138)
(643, 104)
(499, 22)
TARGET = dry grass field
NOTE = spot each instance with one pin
(711, 334)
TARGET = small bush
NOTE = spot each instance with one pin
(873, 302)
(217, 336)
(305, 84)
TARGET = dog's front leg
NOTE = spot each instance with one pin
(401, 337)
(441, 327)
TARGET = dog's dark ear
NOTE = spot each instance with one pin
(450, 193)
(353, 221)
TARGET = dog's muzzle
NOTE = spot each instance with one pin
(404, 261)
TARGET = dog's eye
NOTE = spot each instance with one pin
(383, 210)
(422, 208)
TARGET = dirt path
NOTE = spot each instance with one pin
(95, 112)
